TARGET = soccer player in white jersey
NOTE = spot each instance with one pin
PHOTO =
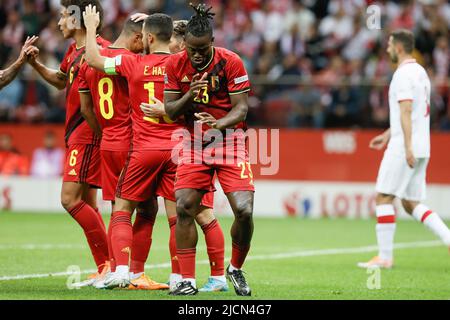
(403, 169)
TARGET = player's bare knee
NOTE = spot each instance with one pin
(186, 209)
(244, 212)
(384, 199)
(409, 205)
(205, 216)
(68, 201)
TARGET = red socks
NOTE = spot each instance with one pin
(142, 241)
(173, 246)
(100, 219)
(87, 218)
(186, 259)
(238, 255)
(215, 243)
(122, 237)
(110, 248)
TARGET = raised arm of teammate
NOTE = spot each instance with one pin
(91, 21)
(406, 121)
(8, 75)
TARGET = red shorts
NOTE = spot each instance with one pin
(82, 164)
(112, 165)
(166, 185)
(143, 170)
(235, 176)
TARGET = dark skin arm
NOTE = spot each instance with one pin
(175, 104)
(8, 75)
(87, 110)
(237, 114)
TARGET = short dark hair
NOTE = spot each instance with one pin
(179, 28)
(161, 25)
(131, 27)
(406, 38)
(199, 24)
(82, 4)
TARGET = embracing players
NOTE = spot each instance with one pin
(402, 172)
(105, 105)
(210, 84)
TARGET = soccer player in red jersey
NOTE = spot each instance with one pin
(82, 167)
(149, 170)
(211, 228)
(210, 85)
(214, 238)
(105, 105)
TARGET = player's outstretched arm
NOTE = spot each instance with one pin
(405, 119)
(87, 110)
(91, 21)
(8, 75)
(175, 104)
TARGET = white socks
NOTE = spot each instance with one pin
(192, 281)
(123, 271)
(432, 220)
(231, 268)
(220, 278)
(135, 275)
(385, 230)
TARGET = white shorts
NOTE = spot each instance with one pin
(396, 178)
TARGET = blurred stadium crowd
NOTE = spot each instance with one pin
(313, 63)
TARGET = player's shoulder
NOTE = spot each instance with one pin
(227, 54)
(410, 72)
(113, 52)
(103, 42)
(178, 58)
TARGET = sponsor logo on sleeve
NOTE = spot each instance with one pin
(241, 79)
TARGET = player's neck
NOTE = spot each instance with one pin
(121, 42)
(159, 48)
(80, 38)
(404, 58)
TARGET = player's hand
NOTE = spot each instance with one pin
(26, 46)
(198, 83)
(379, 142)
(138, 17)
(32, 53)
(91, 17)
(153, 110)
(410, 158)
(206, 118)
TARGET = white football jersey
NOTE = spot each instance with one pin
(410, 82)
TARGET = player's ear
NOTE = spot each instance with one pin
(212, 40)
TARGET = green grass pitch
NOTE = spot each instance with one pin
(290, 259)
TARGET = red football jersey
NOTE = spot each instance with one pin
(111, 102)
(77, 129)
(226, 75)
(145, 75)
